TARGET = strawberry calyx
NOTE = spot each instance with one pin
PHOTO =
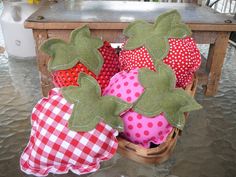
(90, 106)
(161, 96)
(82, 47)
(154, 37)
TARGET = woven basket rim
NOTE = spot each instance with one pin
(160, 153)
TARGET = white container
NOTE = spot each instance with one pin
(19, 42)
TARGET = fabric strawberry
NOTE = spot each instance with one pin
(168, 40)
(82, 54)
(66, 136)
(183, 57)
(158, 107)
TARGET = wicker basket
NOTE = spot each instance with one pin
(160, 153)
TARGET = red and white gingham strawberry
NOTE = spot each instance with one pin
(83, 53)
(69, 130)
(63, 78)
(183, 57)
(54, 148)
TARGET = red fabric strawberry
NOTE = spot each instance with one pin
(67, 135)
(62, 78)
(54, 148)
(183, 57)
(83, 53)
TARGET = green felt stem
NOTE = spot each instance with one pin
(155, 36)
(82, 47)
(160, 95)
(90, 107)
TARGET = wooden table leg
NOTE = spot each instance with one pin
(42, 60)
(215, 62)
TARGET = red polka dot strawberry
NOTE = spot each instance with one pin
(167, 39)
(158, 106)
(70, 130)
(82, 54)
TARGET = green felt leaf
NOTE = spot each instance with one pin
(160, 95)
(136, 35)
(157, 42)
(90, 107)
(149, 105)
(176, 119)
(180, 30)
(176, 104)
(155, 36)
(164, 23)
(81, 48)
(163, 79)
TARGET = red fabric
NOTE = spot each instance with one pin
(183, 57)
(62, 78)
(53, 148)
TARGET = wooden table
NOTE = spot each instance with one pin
(107, 19)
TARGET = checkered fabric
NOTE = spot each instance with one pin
(53, 148)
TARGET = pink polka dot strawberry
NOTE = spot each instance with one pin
(158, 107)
(178, 50)
(82, 54)
(137, 128)
(70, 130)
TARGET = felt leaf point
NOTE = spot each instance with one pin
(90, 107)
(161, 96)
(155, 36)
(82, 47)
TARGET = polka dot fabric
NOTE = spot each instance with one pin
(144, 130)
(183, 57)
(63, 78)
(138, 129)
(125, 85)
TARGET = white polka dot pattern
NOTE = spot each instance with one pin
(183, 57)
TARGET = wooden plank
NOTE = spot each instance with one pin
(42, 60)
(204, 37)
(215, 62)
(202, 74)
(114, 36)
(102, 25)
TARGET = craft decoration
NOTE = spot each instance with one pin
(158, 106)
(64, 78)
(72, 59)
(70, 128)
(154, 37)
(81, 48)
(161, 96)
(183, 57)
(138, 128)
(54, 148)
(90, 106)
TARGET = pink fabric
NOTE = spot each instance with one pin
(125, 85)
(144, 130)
(53, 148)
(137, 128)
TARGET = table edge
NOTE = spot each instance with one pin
(118, 26)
